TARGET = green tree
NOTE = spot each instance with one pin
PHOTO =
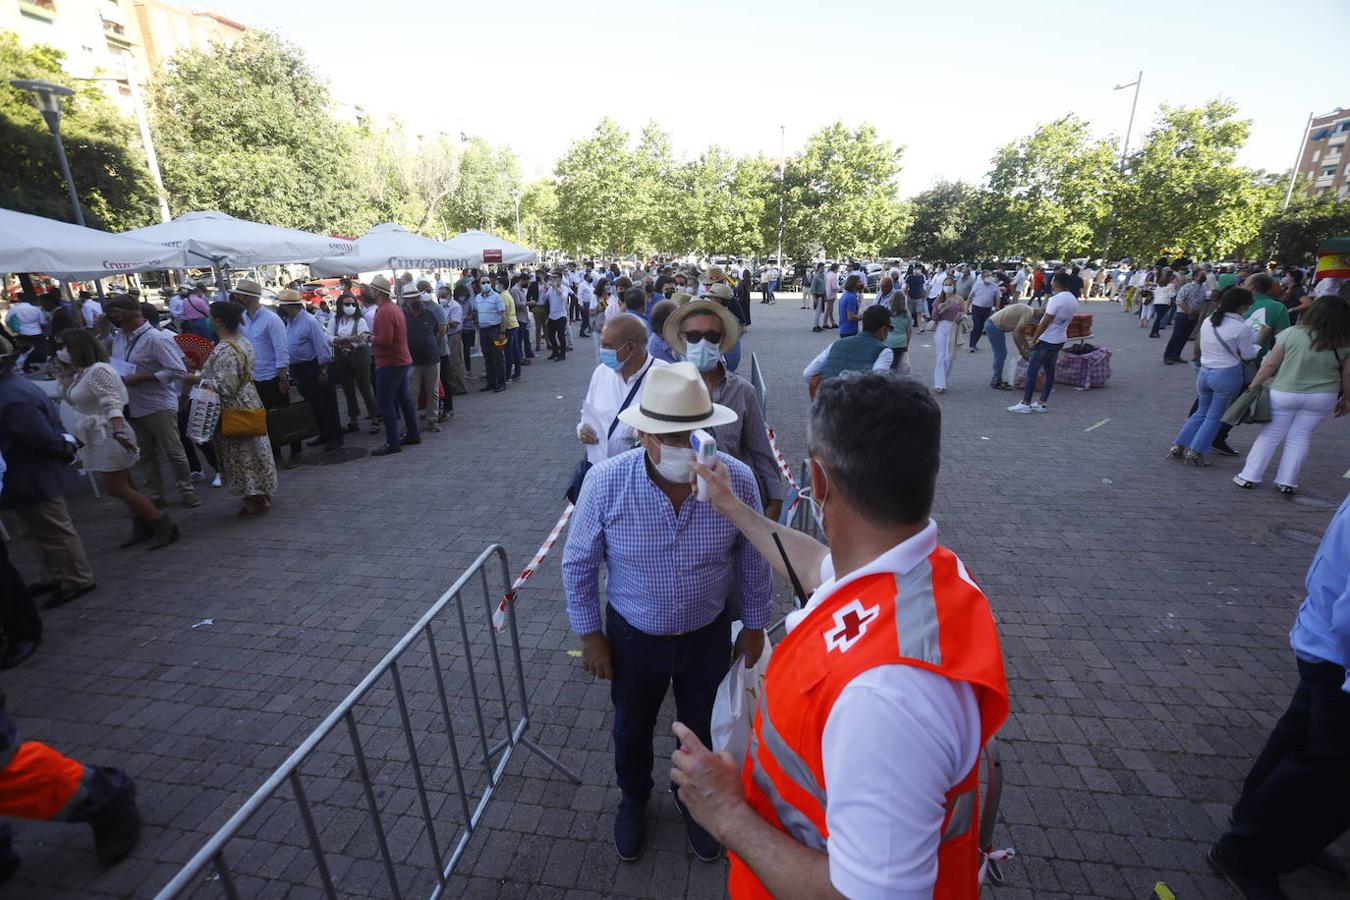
(841, 194)
(1292, 236)
(482, 199)
(106, 160)
(246, 128)
(944, 223)
(724, 204)
(651, 216)
(596, 184)
(539, 215)
(1049, 193)
(1184, 190)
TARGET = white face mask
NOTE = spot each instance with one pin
(989, 280)
(64, 355)
(676, 464)
(948, 289)
(349, 309)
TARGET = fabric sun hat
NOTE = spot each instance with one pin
(409, 290)
(247, 288)
(718, 291)
(380, 283)
(680, 297)
(290, 297)
(714, 273)
(675, 399)
(731, 327)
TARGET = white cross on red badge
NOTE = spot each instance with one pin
(850, 623)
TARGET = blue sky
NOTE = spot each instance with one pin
(950, 81)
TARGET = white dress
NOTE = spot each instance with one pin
(95, 395)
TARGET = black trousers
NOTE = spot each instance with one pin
(645, 668)
(448, 401)
(466, 337)
(272, 398)
(1296, 799)
(492, 355)
(322, 399)
(979, 314)
(19, 618)
(557, 336)
(1181, 332)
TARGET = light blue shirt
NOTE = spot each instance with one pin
(667, 573)
(305, 340)
(271, 351)
(1321, 631)
(490, 308)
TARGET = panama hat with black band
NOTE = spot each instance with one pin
(731, 327)
(675, 399)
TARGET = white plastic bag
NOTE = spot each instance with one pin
(203, 414)
(737, 697)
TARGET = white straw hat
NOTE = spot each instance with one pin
(675, 399)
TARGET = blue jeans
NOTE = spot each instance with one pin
(516, 348)
(1181, 331)
(1044, 358)
(393, 396)
(645, 666)
(1215, 389)
(999, 341)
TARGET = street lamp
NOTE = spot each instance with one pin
(48, 97)
(1124, 151)
(515, 195)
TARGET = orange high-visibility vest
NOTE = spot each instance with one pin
(932, 617)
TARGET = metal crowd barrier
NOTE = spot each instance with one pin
(446, 771)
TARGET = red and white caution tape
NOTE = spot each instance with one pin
(499, 614)
(782, 462)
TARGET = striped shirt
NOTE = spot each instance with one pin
(667, 573)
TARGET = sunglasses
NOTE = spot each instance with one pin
(712, 337)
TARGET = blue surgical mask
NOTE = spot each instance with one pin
(704, 355)
(610, 359)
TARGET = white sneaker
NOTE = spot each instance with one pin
(1019, 407)
(215, 482)
(1039, 407)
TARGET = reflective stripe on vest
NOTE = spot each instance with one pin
(916, 616)
(793, 820)
(960, 814)
(792, 765)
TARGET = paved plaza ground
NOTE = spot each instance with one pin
(1143, 607)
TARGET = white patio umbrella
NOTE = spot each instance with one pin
(215, 239)
(480, 247)
(36, 244)
(387, 247)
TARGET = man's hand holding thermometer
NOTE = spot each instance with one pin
(705, 454)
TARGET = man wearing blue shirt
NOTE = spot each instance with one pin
(271, 355)
(672, 561)
(491, 311)
(310, 358)
(1296, 799)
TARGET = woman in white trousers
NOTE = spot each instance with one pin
(947, 310)
(1309, 374)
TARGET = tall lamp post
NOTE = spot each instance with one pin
(48, 97)
(782, 141)
(1124, 152)
(515, 195)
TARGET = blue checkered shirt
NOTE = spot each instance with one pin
(667, 573)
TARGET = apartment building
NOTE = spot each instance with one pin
(1324, 161)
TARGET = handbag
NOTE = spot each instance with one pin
(240, 424)
(289, 424)
(1249, 366)
(579, 473)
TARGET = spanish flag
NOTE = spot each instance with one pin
(1333, 259)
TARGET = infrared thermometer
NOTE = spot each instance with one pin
(705, 452)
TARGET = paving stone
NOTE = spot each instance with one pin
(1144, 680)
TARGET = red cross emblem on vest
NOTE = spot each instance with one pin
(850, 623)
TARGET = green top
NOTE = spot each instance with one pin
(1226, 280)
(1267, 311)
(1303, 369)
(899, 336)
